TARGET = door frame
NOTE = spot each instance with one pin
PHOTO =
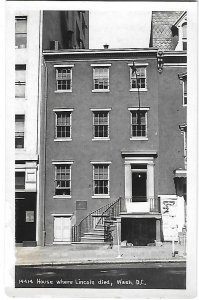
(150, 186)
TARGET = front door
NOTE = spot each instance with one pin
(139, 186)
(62, 229)
(25, 217)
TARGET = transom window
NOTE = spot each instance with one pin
(63, 179)
(20, 81)
(101, 78)
(138, 123)
(19, 131)
(20, 32)
(138, 78)
(63, 124)
(64, 79)
(101, 124)
(101, 179)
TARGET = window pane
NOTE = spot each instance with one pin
(21, 32)
(101, 78)
(20, 180)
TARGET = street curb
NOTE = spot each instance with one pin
(94, 262)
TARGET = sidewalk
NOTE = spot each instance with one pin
(84, 254)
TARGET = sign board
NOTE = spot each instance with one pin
(169, 219)
(30, 216)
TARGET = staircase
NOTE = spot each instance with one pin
(93, 229)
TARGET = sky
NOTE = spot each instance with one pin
(125, 29)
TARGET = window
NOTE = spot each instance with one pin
(184, 36)
(138, 124)
(138, 79)
(19, 131)
(101, 179)
(20, 81)
(63, 120)
(63, 179)
(101, 124)
(19, 180)
(64, 78)
(101, 78)
(20, 32)
(185, 91)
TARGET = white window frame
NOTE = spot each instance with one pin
(101, 66)
(138, 65)
(18, 18)
(57, 67)
(62, 110)
(21, 83)
(101, 110)
(62, 163)
(183, 84)
(95, 163)
(145, 109)
(21, 132)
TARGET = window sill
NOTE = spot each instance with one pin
(63, 91)
(140, 90)
(62, 197)
(63, 140)
(100, 196)
(100, 91)
(139, 139)
(101, 139)
(61, 243)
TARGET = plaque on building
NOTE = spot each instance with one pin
(81, 204)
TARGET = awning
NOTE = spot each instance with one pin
(180, 173)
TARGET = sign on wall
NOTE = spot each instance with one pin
(169, 218)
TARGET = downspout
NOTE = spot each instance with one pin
(44, 151)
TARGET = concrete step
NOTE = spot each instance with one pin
(93, 233)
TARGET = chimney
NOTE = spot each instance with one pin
(106, 46)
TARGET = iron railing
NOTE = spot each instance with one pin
(95, 218)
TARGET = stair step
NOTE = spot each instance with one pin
(101, 243)
(94, 233)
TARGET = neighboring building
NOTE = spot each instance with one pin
(34, 30)
(110, 142)
(169, 30)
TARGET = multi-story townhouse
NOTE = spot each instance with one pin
(35, 30)
(169, 33)
(105, 126)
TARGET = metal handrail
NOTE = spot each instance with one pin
(91, 221)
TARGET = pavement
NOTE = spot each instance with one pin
(97, 254)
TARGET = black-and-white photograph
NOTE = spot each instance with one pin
(100, 104)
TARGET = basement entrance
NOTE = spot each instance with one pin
(138, 231)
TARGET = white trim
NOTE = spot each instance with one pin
(63, 109)
(62, 197)
(140, 90)
(139, 138)
(101, 65)
(64, 66)
(62, 162)
(100, 109)
(62, 140)
(102, 59)
(139, 64)
(101, 139)
(62, 215)
(62, 91)
(100, 196)
(100, 162)
(127, 50)
(137, 108)
(175, 65)
(100, 91)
